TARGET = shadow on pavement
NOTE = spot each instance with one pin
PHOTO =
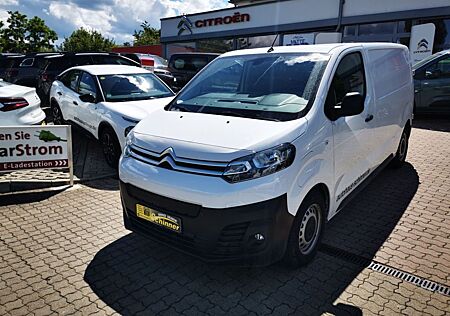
(28, 197)
(135, 274)
(89, 162)
(432, 122)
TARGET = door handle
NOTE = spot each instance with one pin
(369, 118)
(75, 102)
(58, 93)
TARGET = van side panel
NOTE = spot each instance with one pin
(391, 75)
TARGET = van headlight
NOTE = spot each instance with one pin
(260, 164)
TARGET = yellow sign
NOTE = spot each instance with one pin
(158, 218)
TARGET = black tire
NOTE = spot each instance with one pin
(307, 230)
(57, 116)
(402, 150)
(110, 146)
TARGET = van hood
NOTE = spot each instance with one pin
(137, 110)
(213, 137)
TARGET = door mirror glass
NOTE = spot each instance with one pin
(88, 98)
(352, 104)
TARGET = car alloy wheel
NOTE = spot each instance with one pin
(310, 227)
(57, 115)
(110, 148)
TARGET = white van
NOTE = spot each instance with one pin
(264, 146)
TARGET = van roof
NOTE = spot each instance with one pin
(319, 48)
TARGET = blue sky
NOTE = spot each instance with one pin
(116, 19)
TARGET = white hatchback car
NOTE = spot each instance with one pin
(19, 105)
(107, 101)
(264, 146)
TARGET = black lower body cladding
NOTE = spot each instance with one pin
(254, 234)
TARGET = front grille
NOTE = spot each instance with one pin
(168, 160)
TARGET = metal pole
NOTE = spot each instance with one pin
(69, 152)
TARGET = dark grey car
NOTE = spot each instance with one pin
(432, 84)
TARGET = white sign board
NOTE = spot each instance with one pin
(298, 39)
(421, 42)
(35, 147)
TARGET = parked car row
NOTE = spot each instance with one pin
(38, 70)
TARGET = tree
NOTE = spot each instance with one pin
(147, 36)
(39, 36)
(26, 35)
(86, 40)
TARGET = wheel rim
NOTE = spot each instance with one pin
(402, 147)
(310, 226)
(56, 115)
(108, 147)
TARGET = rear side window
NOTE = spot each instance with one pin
(58, 64)
(349, 77)
(27, 62)
(390, 69)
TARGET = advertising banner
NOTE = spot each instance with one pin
(421, 42)
(35, 147)
(298, 39)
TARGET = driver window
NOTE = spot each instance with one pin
(87, 85)
(441, 69)
(349, 77)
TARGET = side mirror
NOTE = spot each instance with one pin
(352, 104)
(88, 98)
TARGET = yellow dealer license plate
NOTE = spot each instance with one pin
(158, 218)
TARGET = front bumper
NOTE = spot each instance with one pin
(215, 235)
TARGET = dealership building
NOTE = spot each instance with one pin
(253, 23)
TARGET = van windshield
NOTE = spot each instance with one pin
(278, 87)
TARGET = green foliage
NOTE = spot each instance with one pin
(147, 35)
(25, 35)
(39, 35)
(86, 40)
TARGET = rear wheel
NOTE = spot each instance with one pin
(110, 146)
(306, 231)
(57, 114)
(402, 150)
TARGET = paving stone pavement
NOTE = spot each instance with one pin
(66, 252)
(89, 163)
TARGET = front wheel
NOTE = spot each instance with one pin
(402, 150)
(57, 114)
(307, 230)
(111, 147)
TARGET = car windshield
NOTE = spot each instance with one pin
(278, 87)
(130, 87)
